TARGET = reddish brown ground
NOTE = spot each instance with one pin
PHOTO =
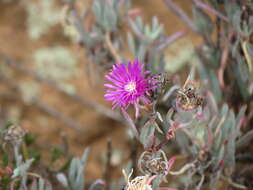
(14, 42)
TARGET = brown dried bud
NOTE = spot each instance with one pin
(14, 135)
(153, 163)
(188, 97)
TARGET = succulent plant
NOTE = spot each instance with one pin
(207, 118)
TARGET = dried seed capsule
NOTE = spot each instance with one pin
(188, 98)
(14, 135)
(138, 183)
(153, 163)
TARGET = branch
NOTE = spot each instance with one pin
(201, 182)
(247, 56)
(44, 107)
(180, 13)
(130, 123)
(204, 6)
(87, 103)
(108, 166)
(111, 48)
(236, 185)
(183, 169)
(171, 39)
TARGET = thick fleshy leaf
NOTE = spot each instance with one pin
(147, 131)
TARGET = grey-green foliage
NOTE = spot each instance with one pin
(41, 16)
(209, 133)
(144, 45)
(202, 21)
(75, 179)
(147, 32)
(214, 85)
(108, 13)
(147, 131)
(180, 54)
(93, 35)
(235, 12)
(41, 184)
(241, 63)
(57, 64)
(156, 183)
(211, 138)
(116, 186)
(22, 169)
(217, 132)
(230, 54)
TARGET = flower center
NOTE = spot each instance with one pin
(130, 87)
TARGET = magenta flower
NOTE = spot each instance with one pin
(130, 85)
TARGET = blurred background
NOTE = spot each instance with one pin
(51, 78)
(49, 86)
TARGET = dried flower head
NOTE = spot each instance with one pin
(138, 183)
(14, 135)
(188, 98)
(130, 85)
(154, 163)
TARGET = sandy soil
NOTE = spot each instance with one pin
(14, 42)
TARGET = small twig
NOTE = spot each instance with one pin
(133, 156)
(183, 169)
(206, 7)
(13, 182)
(179, 12)
(190, 77)
(16, 155)
(130, 123)
(136, 30)
(97, 182)
(171, 39)
(245, 169)
(218, 37)
(224, 61)
(54, 113)
(33, 175)
(218, 128)
(236, 185)
(169, 92)
(96, 106)
(201, 182)
(212, 101)
(65, 144)
(108, 167)
(18, 164)
(46, 108)
(111, 48)
(246, 54)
